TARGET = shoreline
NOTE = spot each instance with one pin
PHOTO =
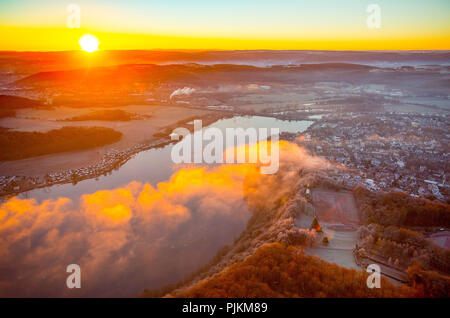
(111, 160)
(93, 171)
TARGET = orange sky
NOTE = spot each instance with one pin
(247, 24)
(43, 39)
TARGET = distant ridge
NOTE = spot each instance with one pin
(34, 62)
(125, 74)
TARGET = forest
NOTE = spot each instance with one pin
(16, 102)
(106, 115)
(9, 104)
(400, 209)
(282, 269)
(54, 141)
(279, 270)
(396, 230)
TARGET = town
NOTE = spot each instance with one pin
(388, 151)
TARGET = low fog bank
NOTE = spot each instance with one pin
(137, 236)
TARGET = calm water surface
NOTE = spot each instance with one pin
(156, 253)
(155, 165)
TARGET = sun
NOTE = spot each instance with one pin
(89, 43)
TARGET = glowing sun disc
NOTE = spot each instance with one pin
(89, 43)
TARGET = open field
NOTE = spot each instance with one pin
(441, 239)
(340, 246)
(334, 206)
(337, 215)
(341, 257)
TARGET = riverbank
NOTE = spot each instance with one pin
(92, 163)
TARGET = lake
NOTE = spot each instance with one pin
(147, 224)
(155, 165)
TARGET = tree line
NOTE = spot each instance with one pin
(20, 144)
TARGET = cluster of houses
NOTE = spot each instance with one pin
(403, 152)
(110, 160)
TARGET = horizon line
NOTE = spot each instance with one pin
(227, 50)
